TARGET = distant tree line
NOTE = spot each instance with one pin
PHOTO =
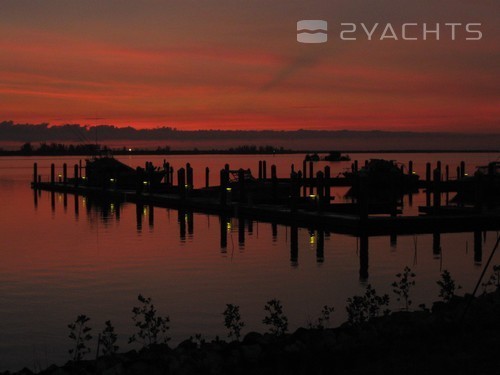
(56, 149)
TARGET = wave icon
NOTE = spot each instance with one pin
(312, 31)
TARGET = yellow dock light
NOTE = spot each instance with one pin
(228, 189)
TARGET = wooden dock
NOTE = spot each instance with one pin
(303, 199)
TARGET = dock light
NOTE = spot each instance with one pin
(112, 180)
(466, 174)
(413, 172)
(312, 196)
(228, 189)
(84, 178)
(59, 175)
(145, 182)
(228, 226)
(186, 186)
(129, 150)
(312, 239)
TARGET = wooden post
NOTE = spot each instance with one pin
(304, 177)
(75, 175)
(260, 169)
(52, 174)
(207, 177)
(479, 192)
(223, 187)
(320, 188)
(181, 183)
(274, 182)
(80, 168)
(320, 246)
(428, 173)
(294, 191)
(264, 170)
(241, 185)
(166, 168)
(241, 232)
(363, 198)
(311, 177)
(35, 174)
(356, 166)
(437, 190)
(223, 231)
(65, 173)
(189, 176)
(458, 173)
(139, 185)
(327, 185)
(447, 172)
(410, 167)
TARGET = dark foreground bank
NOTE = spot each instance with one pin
(420, 342)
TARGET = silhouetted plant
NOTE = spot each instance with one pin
(447, 286)
(324, 318)
(494, 279)
(152, 329)
(108, 338)
(198, 340)
(80, 334)
(360, 309)
(276, 319)
(232, 321)
(403, 286)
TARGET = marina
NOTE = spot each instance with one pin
(92, 250)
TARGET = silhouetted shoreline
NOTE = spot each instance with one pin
(437, 341)
(90, 150)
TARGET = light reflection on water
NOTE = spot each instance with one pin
(65, 256)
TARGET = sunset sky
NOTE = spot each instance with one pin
(236, 64)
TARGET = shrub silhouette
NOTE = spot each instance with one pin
(232, 321)
(80, 334)
(276, 319)
(403, 286)
(152, 329)
(361, 309)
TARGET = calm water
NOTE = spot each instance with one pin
(65, 257)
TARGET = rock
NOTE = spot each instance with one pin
(252, 338)
(251, 353)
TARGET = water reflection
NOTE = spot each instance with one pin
(107, 211)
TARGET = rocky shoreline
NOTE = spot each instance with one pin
(417, 342)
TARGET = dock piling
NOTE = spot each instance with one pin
(75, 175)
(437, 190)
(311, 178)
(35, 174)
(65, 173)
(181, 183)
(207, 177)
(52, 173)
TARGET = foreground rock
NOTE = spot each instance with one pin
(421, 342)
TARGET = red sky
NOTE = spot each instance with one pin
(237, 65)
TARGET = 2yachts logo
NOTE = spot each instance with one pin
(314, 31)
